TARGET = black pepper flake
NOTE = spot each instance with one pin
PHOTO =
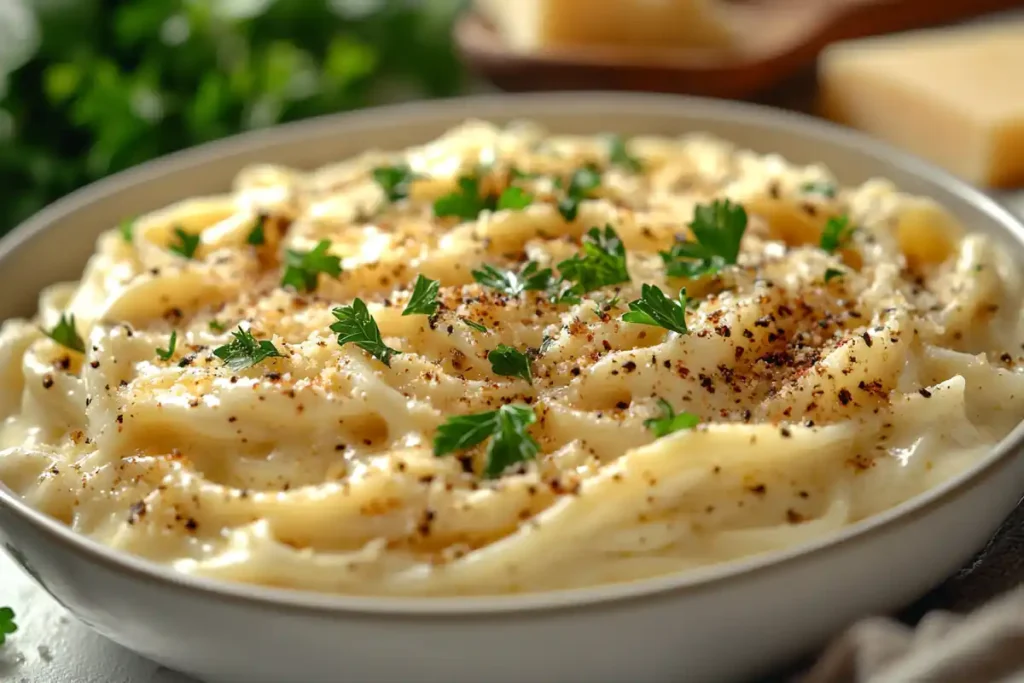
(785, 432)
(867, 339)
(629, 366)
(759, 489)
(136, 512)
(94, 364)
(1006, 358)
(191, 524)
(47, 381)
(845, 397)
(925, 393)
(621, 405)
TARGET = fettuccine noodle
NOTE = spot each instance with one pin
(828, 386)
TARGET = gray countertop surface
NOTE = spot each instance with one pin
(52, 647)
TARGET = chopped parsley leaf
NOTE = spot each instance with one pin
(475, 325)
(582, 184)
(465, 202)
(245, 351)
(619, 155)
(7, 625)
(718, 230)
(165, 354)
(603, 264)
(654, 308)
(216, 326)
(529, 278)
(506, 427)
(832, 273)
(423, 300)
(836, 233)
(65, 334)
(394, 180)
(186, 245)
(508, 362)
(127, 229)
(355, 325)
(669, 421)
(302, 268)
(545, 344)
(256, 236)
(514, 198)
(825, 189)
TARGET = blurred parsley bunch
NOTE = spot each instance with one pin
(90, 87)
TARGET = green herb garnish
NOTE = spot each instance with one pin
(256, 236)
(424, 297)
(394, 180)
(832, 273)
(836, 233)
(669, 421)
(186, 245)
(465, 202)
(475, 325)
(355, 325)
(245, 351)
(7, 625)
(618, 155)
(302, 268)
(654, 308)
(718, 229)
(514, 198)
(216, 326)
(65, 334)
(127, 229)
(165, 354)
(530, 278)
(582, 184)
(602, 264)
(508, 362)
(506, 427)
(823, 188)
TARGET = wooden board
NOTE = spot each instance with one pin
(776, 39)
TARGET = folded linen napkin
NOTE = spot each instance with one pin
(984, 646)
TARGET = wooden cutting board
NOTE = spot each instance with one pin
(776, 39)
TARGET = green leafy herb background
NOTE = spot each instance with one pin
(90, 87)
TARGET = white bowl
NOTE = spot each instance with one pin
(720, 623)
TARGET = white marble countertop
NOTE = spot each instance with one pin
(52, 647)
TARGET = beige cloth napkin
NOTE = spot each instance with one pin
(986, 646)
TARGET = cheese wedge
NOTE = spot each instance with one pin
(530, 25)
(953, 96)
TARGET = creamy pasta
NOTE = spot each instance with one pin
(239, 394)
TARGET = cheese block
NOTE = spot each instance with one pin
(531, 25)
(953, 96)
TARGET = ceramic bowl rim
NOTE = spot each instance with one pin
(392, 116)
